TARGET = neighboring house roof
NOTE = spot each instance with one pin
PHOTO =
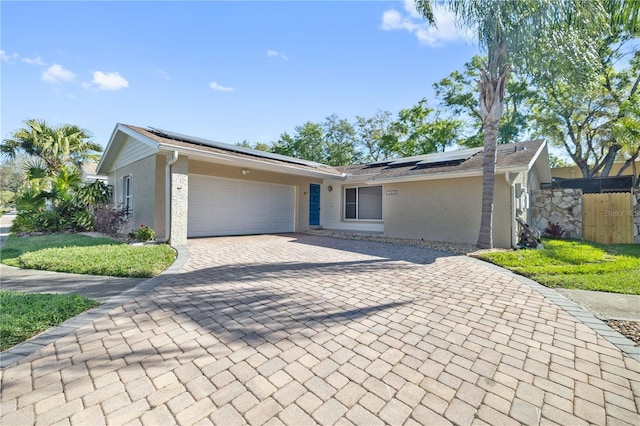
(514, 157)
(89, 172)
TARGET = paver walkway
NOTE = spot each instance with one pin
(302, 329)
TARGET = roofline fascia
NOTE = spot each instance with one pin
(533, 161)
(263, 165)
(129, 132)
(439, 176)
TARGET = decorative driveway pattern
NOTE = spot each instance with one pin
(300, 329)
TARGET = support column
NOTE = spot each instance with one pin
(179, 201)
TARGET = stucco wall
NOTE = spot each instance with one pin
(301, 184)
(445, 210)
(179, 201)
(142, 195)
(159, 207)
(331, 212)
(573, 172)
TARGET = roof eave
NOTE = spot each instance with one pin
(248, 162)
(106, 160)
(438, 176)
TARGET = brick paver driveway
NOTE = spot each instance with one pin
(301, 329)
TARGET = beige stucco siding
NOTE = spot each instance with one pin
(444, 210)
(159, 222)
(143, 201)
(332, 210)
(573, 172)
(301, 184)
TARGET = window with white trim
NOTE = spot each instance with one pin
(363, 203)
(127, 190)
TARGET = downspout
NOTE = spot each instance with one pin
(512, 191)
(171, 159)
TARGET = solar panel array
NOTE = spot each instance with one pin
(234, 148)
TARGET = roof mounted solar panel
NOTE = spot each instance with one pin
(438, 157)
(460, 155)
(234, 148)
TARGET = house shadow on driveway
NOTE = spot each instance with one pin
(265, 288)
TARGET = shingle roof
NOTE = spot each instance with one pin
(509, 156)
(227, 149)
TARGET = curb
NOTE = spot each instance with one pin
(36, 343)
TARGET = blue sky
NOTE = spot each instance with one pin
(226, 71)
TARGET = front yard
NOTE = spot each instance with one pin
(81, 254)
(576, 265)
(25, 315)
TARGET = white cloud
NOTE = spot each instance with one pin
(35, 61)
(275, 54)
(411, 21)
(162, 73)
(5, 57)
(108, 81)
(219, 88)
(56, 73)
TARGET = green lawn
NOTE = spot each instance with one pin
(577, 265)
(24, 315)
(81, 254)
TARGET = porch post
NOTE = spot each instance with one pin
(179, 201)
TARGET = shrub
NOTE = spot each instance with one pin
(554, 230)
(143, 233)
(108, 220)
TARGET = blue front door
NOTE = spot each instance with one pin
(314, 204)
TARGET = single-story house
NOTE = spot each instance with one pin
(184, 187)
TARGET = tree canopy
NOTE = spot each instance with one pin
(53, 147)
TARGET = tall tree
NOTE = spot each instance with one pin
(458, 96)
(340, 139)
(307, 142)
(375, 136)
(597, 125)
(530, 34)
(417, 131)
(56, 147)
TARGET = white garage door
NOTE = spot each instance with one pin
(220, 206)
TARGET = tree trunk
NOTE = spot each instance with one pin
(491, 105)
(609, 159)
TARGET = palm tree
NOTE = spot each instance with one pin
(66, 145)
(539, 36)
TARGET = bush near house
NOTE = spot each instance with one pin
(576, 265)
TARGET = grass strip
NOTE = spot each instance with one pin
(81, 254)
(23, 315)
(576, 265)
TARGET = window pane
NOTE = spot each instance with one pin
(350, 195)
(350, 211)
(370, 202)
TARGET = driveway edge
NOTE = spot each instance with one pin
(34, 344)
(627, 346)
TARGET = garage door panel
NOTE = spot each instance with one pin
(219, 206)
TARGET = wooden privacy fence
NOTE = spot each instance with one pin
(607, 218)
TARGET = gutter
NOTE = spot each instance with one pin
(255, 163)
(438, 176)
(171, 159)
(512, 207)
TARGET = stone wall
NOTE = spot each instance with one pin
(563, 206)
(635, 201)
